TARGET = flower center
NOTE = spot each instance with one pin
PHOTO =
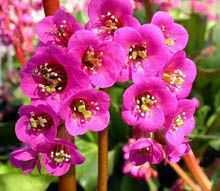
(81, 110)
(144, 103)
(137, 52)
(110, 22)
(176, 78)
(50, 77)
(92, 60)
(169, 41)
(40, 122)
(60, 155)
(62, 33)
(179, 121)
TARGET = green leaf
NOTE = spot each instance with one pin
(215, 144)
(11, 179)
(87, 172)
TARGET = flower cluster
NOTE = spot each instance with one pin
(67, 76)
(155, 105)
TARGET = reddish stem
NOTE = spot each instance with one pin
(103, 161)
(184, 176)
(68, 181)
(50, 6)
(197, 171)
(148, 9)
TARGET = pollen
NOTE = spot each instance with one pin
(144, 103)
(169, 42)
(51, 78)
(175, 78)
(110, 23)
(92, 60)
(59, 156)
(39, 122)
(81, 110)
(137, 52)
(179, 121)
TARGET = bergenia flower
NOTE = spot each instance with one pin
(166, 5)
(181, 123)
(35, 121)
(144, 150)
(50, 73)
(57, 29)
(143, 171)
(58, 156)
(108, 16)
(146, 53)
(176, 36)
(26, 159)
(100, 61)
(86, 111)
(145, 104)
(179, 74)
(175, 152)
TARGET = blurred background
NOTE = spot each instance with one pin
(17, 41)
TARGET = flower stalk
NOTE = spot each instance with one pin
(197, 171)
(184, 176)
(66, 182)
(103, 161)
(148, 9)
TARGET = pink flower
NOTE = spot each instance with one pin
(146, 104)
(108, 16)
(181, 123)
(146, 53)
(36, 120)
(143, 150)
(25, 159)
(176, 36)
(179, 74)
(100, 61)
(58, 156)
(57, 29)
(51, 75)
(86, 111)
(167, 5)
(175, 152)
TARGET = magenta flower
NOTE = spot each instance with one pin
(36, 121)
(139, 172)
(86, 111)
(146, 53)
(143, 171)
(145, 104)
(26, 159)
(100, 61)
(58, 156)
(51, 74)
(108, 16)
(181, 123)
(175, 152)
(179, 74)
(144, 150)
(176, 36)
(57, 29)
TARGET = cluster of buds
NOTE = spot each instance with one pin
(67, 76)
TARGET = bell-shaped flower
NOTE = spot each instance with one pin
(146, 104)
(57, 29)
(106, 17)
(86, 111)
(100, 60)
(175, 35)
